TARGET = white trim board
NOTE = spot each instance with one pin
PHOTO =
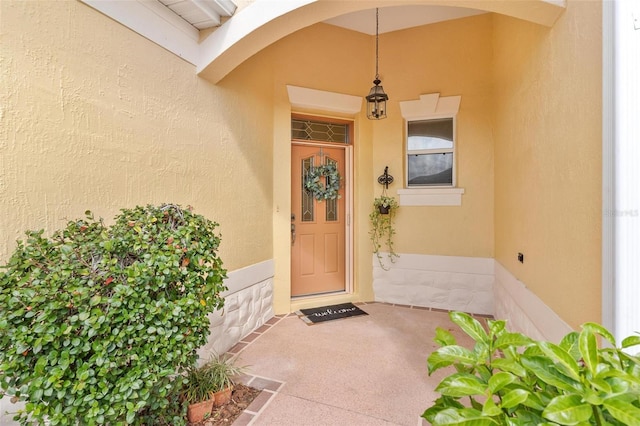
(470, 284)
(155, 22)
(524, 311)
(443, 282)
(303, 97)
(246, 277)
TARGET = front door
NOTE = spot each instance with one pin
(317, 226)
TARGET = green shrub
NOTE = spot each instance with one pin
(96, 321)
(511, 379)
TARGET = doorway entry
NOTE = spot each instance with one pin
(318, 227)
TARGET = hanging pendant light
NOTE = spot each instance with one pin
(377, 99)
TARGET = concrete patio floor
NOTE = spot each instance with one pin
(365, 370)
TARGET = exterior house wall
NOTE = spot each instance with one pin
(547, 129)
(97, 117)
(454, 58)
(331, 59)
(94, 116)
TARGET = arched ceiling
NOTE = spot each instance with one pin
(176, 24)
(264, 22)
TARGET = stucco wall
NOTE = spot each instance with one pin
(451, 58)
(331, 59)
(96, 117)
(547, 127)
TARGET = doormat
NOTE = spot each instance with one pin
(327, 313)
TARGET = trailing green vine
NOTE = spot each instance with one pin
(382, 230)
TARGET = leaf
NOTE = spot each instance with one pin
(630, 341)
(600, 330)
(567, 410)
(544, 369)
(622, 411)
(496, 327)
(589, 350)
(462, 417)
(534, 401)
(570, 344)
(565, 362)
(600, 384)
(510, 366)
(470, 326)
(500, 380)
(512, 339)
(449, 355)
(444, 337)
(514, 398)
(461, 384)
(490, 408)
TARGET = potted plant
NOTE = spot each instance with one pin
(511, 379)
(208, 386)
(382, 230)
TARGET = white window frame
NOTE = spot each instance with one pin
(427, 107)
(451, 150)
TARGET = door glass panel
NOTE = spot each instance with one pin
(306, 198)
(331, 208)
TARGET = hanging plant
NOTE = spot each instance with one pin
(323, 182)
(382, 230)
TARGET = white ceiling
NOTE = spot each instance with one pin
(399, 17)
(201, 14)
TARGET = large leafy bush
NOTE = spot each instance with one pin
(96, 321)
(511, 379)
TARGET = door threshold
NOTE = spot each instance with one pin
(324, 299)
(317, 295)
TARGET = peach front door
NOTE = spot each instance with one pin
(317, 227)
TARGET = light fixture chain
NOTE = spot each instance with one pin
(377, 99)
(377, 75)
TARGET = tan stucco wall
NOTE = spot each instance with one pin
(96, 117)
(317, 57)
(547, 126)
(451, 58)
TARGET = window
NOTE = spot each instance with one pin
(431, 153)
(430, 166)
(302, 129)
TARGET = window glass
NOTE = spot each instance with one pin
(430, 152)
(430, 169)
(430, 134)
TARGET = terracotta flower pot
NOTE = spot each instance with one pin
(198, 411)
(222, 397)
